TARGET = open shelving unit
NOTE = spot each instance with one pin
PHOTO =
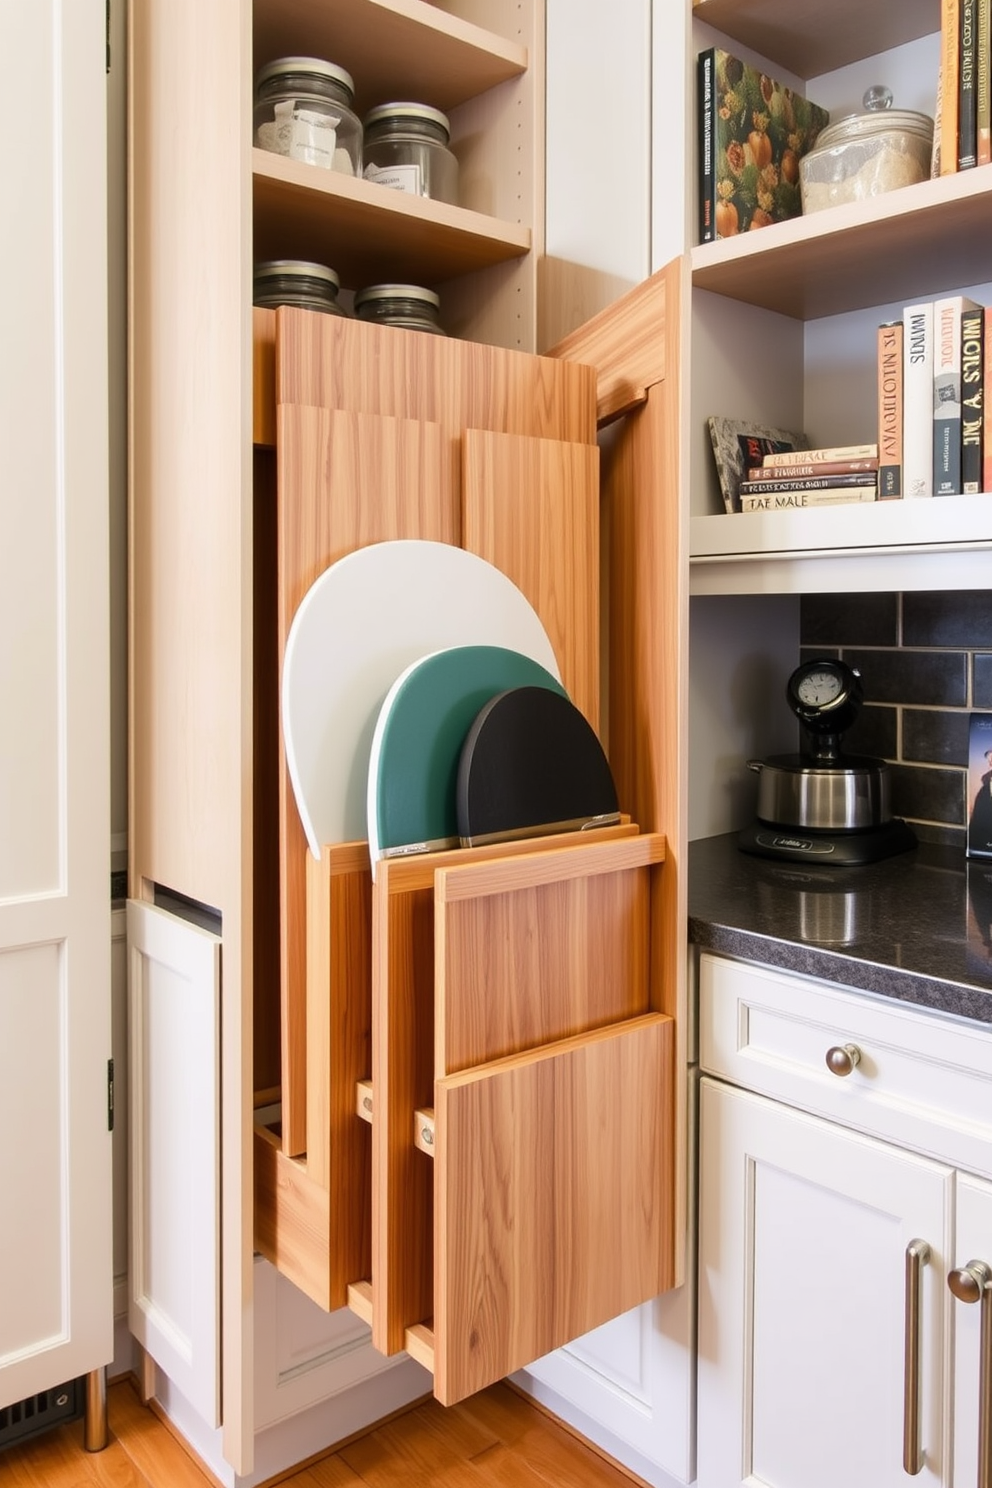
(774, 286)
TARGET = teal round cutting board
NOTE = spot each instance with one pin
(418, 739)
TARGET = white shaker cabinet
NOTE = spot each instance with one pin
(838, 1198)
(803, 1351)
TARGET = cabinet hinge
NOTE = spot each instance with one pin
(110, 1095)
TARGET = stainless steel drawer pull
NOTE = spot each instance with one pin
(973, 1283)
(843, 1058)
(917, 1256)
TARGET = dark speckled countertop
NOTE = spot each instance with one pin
(914, 927)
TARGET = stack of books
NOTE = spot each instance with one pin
(934, 420)
(963, 118)
(828, 476)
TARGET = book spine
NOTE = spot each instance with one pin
(800, 500)
(917, 400)
(950, 56)
(824, 455)
(890, 410)
(854, 480)
(967, 93)
(947, 394)
(983, 83)
(826, 467)
(972, 398)
(707, 145)
(987, 410)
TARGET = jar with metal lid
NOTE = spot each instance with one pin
(867, 154)
(303, 109)
(406, 147)
(406, 305)
(293, 281)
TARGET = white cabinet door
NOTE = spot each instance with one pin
(973, 1237)
(804, 1229)
(174, 1075)
(56, 1310)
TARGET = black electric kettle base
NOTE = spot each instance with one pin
(848, 848)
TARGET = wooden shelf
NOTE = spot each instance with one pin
(367, 233)
(912, 244)
(809, 38)
(393, 48)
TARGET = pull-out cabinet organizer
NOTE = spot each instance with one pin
(477, 1145)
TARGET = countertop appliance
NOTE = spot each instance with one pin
(822, 805)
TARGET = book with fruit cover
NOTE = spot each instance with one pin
(972, 399)
(967, 90)
(824, 468)
(753, 132)
(799, 500)
(890, 409)
(983, 83)
(947, 314)
(737, 445)
(917, 400)
(822, 454)
(808, 483)
(987, 410)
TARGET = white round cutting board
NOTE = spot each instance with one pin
(358, 626)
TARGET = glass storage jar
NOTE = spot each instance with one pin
(303, 109)
(867, 154)
(406, 305)
(406, 147)
(294, 281)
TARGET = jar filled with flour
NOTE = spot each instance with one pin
(303, 109)
(867, 154)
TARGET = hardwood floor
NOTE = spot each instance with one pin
(496, 1438)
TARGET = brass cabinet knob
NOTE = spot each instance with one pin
(843, 1058)
(973, 1283)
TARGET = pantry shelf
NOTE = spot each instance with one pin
(853, 256)
(392, 48)
(808, 38)
(368, 233)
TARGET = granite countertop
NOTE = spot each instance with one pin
(915, 926)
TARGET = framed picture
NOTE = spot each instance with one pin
(738, 445)
(980, 786)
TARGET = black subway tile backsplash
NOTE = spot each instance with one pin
(982, 681)
(849, 619)
(927, 794)
(934, 737)
(936, 677)
(926, 663)
(947, 619)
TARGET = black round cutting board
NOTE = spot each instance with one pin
(531, 764)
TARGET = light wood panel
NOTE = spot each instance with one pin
(292, 1218)
(396, 49)
(647, 612)
(403, 1076)
(553, 1199)
(345, 479)
(531, 508)
(533, 949)
(339, 1053)
(808, 38)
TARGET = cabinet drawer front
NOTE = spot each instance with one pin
(553, 1208)
(922, 1081)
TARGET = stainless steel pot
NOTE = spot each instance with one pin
(795, 791)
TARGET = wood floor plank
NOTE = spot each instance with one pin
(58, 1460)
(329, 1472)
(150, 1445)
